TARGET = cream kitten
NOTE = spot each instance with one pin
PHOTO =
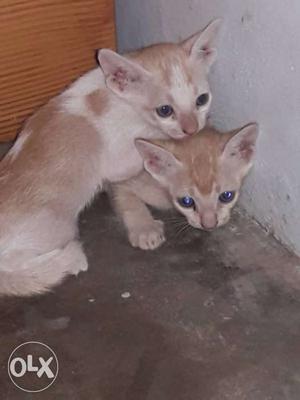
(200, 176)
(85, 137)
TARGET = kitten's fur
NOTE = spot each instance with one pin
(202, 167)
(83, 138)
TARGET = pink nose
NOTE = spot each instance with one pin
(209, 220)
(189, 132)
(189, 124)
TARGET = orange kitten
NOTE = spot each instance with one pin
(201, 177)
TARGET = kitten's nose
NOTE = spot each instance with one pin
(189, 132)
(189, 124)
(209, 220)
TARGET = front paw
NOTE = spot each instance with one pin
(149, 236)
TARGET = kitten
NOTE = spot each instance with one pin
(200, 176)
(85, 137)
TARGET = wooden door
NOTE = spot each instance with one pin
(44, 46)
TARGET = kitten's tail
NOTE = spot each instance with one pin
(38, 275)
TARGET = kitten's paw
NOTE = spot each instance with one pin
(79, 266)
(148, 237)
(78, 261)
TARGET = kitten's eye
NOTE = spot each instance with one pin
(186, 202)
(164, 111)
(226, 197)
(202, 99)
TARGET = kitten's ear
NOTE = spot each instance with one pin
(240, 149)
(201, 45)
(160, 163)
(124, 77)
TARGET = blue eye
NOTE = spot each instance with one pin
(226, 197)
(186, 202)
(164, 111)
(202, 99)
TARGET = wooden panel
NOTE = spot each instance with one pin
(45, 45)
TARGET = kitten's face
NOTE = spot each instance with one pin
(203, 175)
(166, 83)
(207, 210)
(181, 98)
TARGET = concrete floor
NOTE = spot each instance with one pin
(210, 317)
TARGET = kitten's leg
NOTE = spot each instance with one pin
(143, 230)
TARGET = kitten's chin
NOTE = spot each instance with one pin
(202, 228)
(199, 226)
(177, 135)
(180, 135)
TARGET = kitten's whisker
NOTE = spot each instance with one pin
(186, 229)
(177, 218)
(183, 229)
(180, 224)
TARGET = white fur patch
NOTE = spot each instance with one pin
(75, 105)
(87, 83)
(181, 90)
(178, 77)
(73, 99)
(17, 147)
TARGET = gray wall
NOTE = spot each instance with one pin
(257, 77)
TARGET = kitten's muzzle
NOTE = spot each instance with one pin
(209, 220)
(189, 124)
(190, 132)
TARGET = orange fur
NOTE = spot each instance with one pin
(97, 101)
(200, 155)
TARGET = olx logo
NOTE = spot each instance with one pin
(33, 367)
